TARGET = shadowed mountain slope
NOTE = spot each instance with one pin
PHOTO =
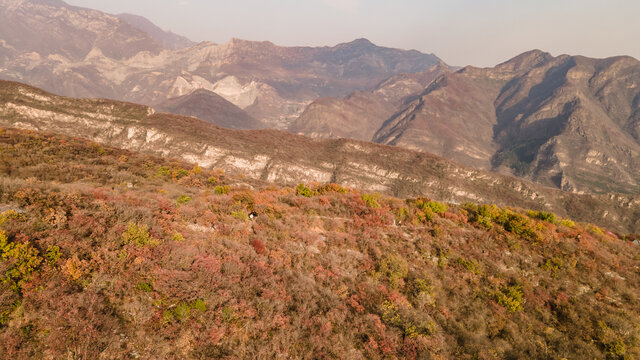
(212, 108)
(569, 121)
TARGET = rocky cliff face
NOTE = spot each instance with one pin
(85, 53)
(285, 158)
(360, 114)
(568, 122)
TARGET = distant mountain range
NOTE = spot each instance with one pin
(568, 122)
(86, 53)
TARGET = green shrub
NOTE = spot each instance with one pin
(402, 214)
(485, 222)
(228, 315)
(180, 173)
(10, 215)
(164, 171)
(182, 311)
(138, 235)
(423, 329)
(469, 265)
(427, 209)
(145, 286)
(426, 214)
(167, 316)
(518, 224)
(199, 305)
(196, 170)
(171, 172)
(489, 211)
(567, 223)
(5, 313)
(177, 237)
(595, 230)
(553, 265)
(371, 200)
(612, 342)
(391, 316)
(303, 190)
(513, 222)
(183, 199)
(542, 215)
(52, 255)
(419, 286)
(240, 215)
(394, 268)
(221, 190)
(437, 207)
(99, 150)
(22, 261)
(510, 297)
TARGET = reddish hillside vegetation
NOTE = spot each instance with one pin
(106, 253)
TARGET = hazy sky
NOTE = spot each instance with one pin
(461, 32)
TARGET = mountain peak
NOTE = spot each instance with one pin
(526, 60)
(360, 43)
(165, 38)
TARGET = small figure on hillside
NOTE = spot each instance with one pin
(253, 215)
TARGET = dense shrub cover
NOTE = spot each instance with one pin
(102, 256)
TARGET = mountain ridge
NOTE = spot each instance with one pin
(272, 83)
(166, 38)
(548, 119)
(285, 158)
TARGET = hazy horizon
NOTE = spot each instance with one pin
(461, 32)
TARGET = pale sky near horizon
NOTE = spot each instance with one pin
(461, 32)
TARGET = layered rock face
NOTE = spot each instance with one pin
(288, 159)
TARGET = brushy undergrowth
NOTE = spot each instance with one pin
(104, 262)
